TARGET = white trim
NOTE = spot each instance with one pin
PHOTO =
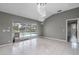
(55, 39)
(66, 30)
(5, 44)
(71, 19)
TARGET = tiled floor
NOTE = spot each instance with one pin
(40, 46)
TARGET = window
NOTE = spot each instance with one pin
(25, 30)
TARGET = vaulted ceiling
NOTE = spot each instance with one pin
(29, 10)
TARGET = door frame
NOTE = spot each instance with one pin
(67, 27)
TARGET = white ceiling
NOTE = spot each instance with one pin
(29, 10)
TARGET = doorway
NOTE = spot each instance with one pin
(72, 31)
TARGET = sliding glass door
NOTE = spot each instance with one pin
(24, 31)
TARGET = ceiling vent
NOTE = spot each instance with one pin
(59, 11)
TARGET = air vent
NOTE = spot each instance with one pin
(59, 11)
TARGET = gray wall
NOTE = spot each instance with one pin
(6, 21)
(55, 25)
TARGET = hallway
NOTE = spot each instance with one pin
(39, 46)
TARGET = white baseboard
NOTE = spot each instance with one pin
(55, 39)
(5, 44)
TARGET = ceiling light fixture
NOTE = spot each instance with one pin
(41, 10)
